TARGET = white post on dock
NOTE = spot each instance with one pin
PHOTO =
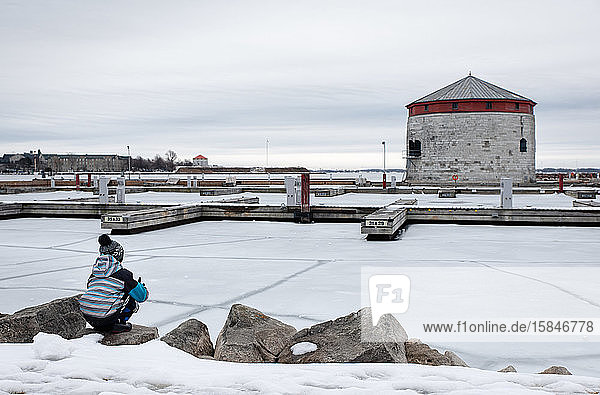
(52, 182)
(290, 191)
(103, 190)
(120, 190)
(195, 182)
(189, 181)
(95, 181)
(506, 192)
(393, 181)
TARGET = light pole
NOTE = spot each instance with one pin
(384, 184)
(129, 161)
(267, 151)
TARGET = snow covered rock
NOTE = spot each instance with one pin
(508, 369)
(352, 338)
(192, 337)
(556, 370)
(422, 354)
(303, 348)
(250, 336)
(51, 347)
(61, 317)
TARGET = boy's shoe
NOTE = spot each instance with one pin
(121, 328)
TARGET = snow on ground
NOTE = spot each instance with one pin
(304, 274)
(85, 366)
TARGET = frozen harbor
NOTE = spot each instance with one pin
(361, 199)
(303, 274)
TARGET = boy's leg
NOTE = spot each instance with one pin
(130, 307)
(101, 324)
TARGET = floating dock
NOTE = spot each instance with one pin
(377, 222)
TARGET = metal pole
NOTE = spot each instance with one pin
(129, 160)
(267, 151)
(384, 176)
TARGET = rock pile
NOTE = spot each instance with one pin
(249, 335)
(60, 317)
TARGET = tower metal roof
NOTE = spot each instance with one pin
(471, 88)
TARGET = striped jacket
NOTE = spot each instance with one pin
(108, 287)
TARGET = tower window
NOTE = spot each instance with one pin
(523, 145)
(488, 105)
(516, 106)
(426, 107)
(455, 106)
(414, 148)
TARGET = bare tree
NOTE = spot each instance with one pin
(171, 156)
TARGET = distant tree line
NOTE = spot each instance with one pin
(30, 161)
(158, 163)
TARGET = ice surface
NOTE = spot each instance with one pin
(304, 274)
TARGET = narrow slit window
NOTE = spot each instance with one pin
(523, 145)
(455, 106)
(426, 107)
(516, 106)
(488, 105)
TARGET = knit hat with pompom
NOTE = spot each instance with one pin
(110, 247)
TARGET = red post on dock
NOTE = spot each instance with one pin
(560, 184)
(384, 183)
(305, 193)
(77, 181)
(89, 179)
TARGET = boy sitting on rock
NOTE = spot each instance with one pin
(112, 294)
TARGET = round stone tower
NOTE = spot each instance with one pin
(472, 131)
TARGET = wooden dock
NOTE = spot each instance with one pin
(377, 222)
(386, 222)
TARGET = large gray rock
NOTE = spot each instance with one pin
(61, 317)
(250, 336)
(556, 370)
(138, 334)
(422, 354)
(352, 338)
(192, 337)
(455, 360)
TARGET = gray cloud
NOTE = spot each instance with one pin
(324, 81)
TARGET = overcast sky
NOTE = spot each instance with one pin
(324, 81)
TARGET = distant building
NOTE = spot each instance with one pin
(200, 161)
(472, 131)
(36, 161)
(79, 162)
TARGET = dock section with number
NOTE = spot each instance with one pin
(386, 222)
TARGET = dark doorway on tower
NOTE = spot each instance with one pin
(414, 148)
(523, 145)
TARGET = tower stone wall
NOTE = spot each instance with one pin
(479, 147)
